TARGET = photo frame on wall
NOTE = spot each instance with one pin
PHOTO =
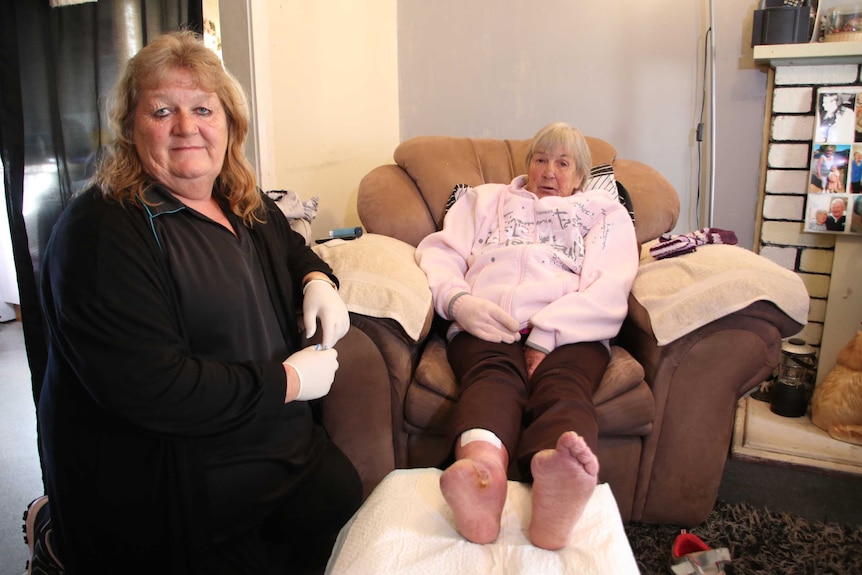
(834, 201)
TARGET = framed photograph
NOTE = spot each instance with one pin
(830, 165)
(828, 213)
(835, 170)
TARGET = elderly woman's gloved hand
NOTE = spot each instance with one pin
(315, 367)
(321, 301)
(485, 319)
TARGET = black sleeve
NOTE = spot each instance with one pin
(112, 321)
(286, 251)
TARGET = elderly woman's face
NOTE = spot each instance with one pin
(552, 174)
(181, 133)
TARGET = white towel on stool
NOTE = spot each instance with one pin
(406, 527)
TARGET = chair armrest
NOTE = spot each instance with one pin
(683, 293)
(357, 411)
(400, 355)
(638, 316)
(696, 381)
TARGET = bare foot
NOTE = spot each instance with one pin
(475, 489)
(563, 481)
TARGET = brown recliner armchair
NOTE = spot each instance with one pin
(665, 413)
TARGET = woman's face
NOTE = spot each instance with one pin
(180, 133)
(552, 174)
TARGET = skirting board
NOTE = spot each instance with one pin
(761, 435)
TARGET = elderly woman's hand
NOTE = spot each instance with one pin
(321, 301)
(485, 319)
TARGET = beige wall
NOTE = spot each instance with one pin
(333, 89)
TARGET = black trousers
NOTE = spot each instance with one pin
(527, 414)
(298, 534)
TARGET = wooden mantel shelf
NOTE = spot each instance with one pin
(807, 54)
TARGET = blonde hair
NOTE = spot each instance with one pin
(120, 174)
(560, 135)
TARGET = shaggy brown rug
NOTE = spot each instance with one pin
(761, 542)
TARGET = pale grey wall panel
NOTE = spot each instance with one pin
(627, 71)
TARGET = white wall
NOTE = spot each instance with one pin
(333, 77)
(348, 80)
(740, 101)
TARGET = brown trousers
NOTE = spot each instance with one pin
(528, 415)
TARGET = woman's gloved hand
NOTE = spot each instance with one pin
(321, 302)
(315, 369)
(485, 319)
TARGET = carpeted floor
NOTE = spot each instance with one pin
(761, 542)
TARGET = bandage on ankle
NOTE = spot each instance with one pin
(472, 435)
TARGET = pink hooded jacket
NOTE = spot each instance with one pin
(562, 266)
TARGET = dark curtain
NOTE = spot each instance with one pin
(57, 66)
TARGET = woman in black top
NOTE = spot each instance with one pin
(176, 428)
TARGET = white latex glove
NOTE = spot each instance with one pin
(322, 302)
(316, 369)
(485, 319)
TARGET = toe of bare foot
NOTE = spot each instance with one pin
(575, 445)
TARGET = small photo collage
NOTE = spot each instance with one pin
(834, 203)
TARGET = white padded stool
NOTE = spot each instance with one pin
(406, 527)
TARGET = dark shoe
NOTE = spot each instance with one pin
(38, 536)
(691, 556)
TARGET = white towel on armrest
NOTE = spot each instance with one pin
(686, 292)
(379, 277)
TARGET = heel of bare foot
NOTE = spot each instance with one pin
(564, 479)
(476, 492)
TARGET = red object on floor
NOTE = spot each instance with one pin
(691, 556)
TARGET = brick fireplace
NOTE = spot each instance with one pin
(828, 264)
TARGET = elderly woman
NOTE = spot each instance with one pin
(175, 419)
(535, 276)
